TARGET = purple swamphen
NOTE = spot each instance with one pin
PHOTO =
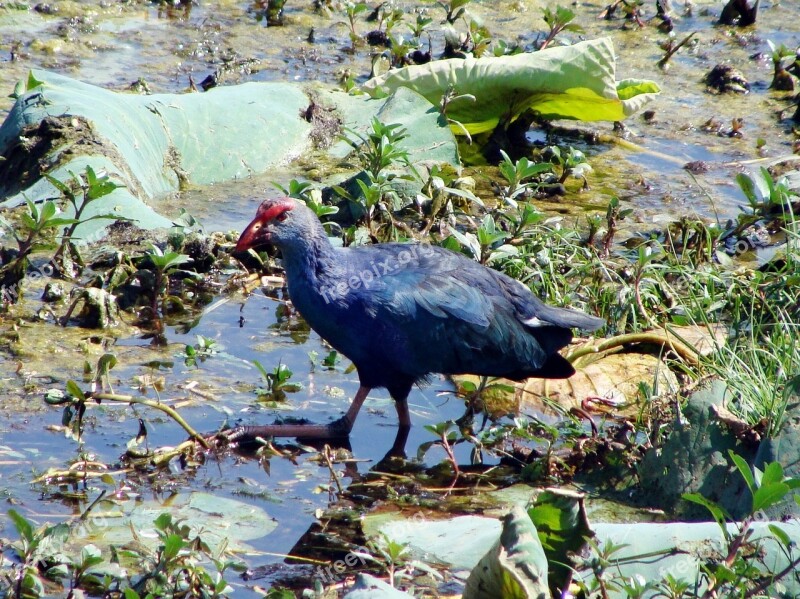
(401, 312)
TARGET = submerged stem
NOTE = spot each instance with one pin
(152, 404)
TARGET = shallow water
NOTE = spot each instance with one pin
(288, 491)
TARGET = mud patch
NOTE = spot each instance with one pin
(325, 122)
(55, 140)
(32, 154)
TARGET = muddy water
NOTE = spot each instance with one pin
(115, 44)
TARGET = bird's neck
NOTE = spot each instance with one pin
(310, 259)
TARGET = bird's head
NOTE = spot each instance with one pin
(278, 221)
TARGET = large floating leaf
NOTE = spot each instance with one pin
(154, 145)
(692, 459)
(435, 538)
(515, 567)
(570, 82)
(785, 449)
(429, 138)
(219, 521)
(614, 379)
(611, 382)
(150, 144)
(560, 518)
(609, 379)
(646, 549)
(652, 550)
(155, 140)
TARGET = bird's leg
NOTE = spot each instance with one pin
(335, 430)
(403, 416)
(398, 449)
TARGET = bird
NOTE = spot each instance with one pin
(401, 312)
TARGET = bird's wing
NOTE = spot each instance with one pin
(439, 311)
(439, 282)
(441, 295)
(444, 283)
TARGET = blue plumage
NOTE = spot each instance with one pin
(400, 312)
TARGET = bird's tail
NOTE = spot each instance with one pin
(563, 317)
(535, 313)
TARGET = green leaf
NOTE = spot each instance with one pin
(561, 523)
(468, 241)
(324, 210)
(781, 535)
(467, 386)
(172, 546)
(24, 528)
(58, 533)
(33, 212)
(57, 572)
(744, 470)
(792, 483)
(163, 521)
(772, 474)
(718, 512)
(440, 428)
(262, 371)
(60, 186)
(768, 495)
(106, 363)
(107, 216)
(101, 188)
(166, 261)
(7, 225)
(66, 415)
(19, 90)
(60, 222)
(48, 211)
(331, 359)
(75, 391)
(501, 388)
(55, 397)
(515, 567)
(90, 556)
(33, 82)
(464, 193)
(342, 192)
(769, 182)
(748, 187)
(423, 449)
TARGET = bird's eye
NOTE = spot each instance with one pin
(281, 217)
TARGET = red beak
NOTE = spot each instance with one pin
(257, 233)
(251, 237)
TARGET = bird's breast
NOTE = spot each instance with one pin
(331, 311)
